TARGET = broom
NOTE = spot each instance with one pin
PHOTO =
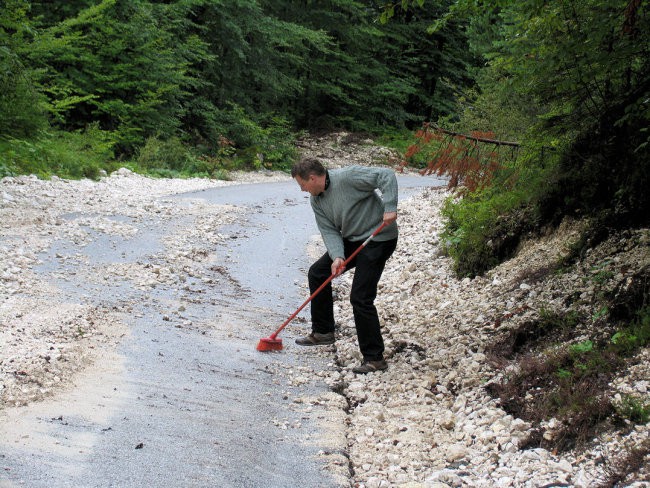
(272, 343)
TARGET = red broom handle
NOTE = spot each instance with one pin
(326, 282)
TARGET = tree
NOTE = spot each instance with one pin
(375, 74)
(438, 63)
(22, 112)
(569, 79)
(250, 72)
(121, 63)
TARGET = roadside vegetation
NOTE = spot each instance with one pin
(555, 128)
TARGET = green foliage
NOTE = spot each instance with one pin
(124, 64)
(192, 70)
(585, 360)
(568, 381)
(275, 142)
(599, 274)
(263, 142)
(567, 384)
(22, 112)
(79, 154)
(370, 75)
(256, 71)
(508, 115)
(398, 140)
(558, 376)
(634, 409)
(168, 154)
(390, 9)
(483, 228)
(581, 348)
(552, 320)
(464, 235)
(216, 165)
(635, 336)
(585, 58)
(256, 63)
(19, 157)
(570, 81)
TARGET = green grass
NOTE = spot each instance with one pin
(398, 140)
(571, 380)
(634, 409)
(634, 336)
(89, 153)
(74, 155)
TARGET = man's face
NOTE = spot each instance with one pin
(312, 184)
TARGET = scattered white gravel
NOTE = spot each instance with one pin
(44, 340)
(427, 421)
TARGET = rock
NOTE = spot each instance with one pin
(456, 453)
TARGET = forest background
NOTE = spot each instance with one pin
(201, 87)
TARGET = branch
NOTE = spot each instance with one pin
(478, 139)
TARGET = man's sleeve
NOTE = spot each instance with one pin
(387, 183)
(383, 179)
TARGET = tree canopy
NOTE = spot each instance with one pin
(570, 80)
(197, 69)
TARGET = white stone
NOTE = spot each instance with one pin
(456, 452)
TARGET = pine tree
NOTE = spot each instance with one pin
(120, 63)
(22, 107)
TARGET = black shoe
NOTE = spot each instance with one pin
(316, 339)
(370, 366)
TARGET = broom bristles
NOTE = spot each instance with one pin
(269, 344)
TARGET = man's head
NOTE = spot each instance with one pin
(310, 175)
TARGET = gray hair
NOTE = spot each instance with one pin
(307, 167)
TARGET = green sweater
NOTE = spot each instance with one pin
(351, 209)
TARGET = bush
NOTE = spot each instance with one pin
(397, 140)
(269, 144)
(635, 336)
(80, 154)
(168, 154)
(277, 145)
(634, 409)
(264, 142)
(484, 228)
(216, 165)
(21, 105)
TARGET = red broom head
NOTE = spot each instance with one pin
(269, 344)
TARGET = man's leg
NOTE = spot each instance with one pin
(322, 305)
(369, 263)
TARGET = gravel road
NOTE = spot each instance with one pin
(155, 380)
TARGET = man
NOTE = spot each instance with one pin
(348, 209)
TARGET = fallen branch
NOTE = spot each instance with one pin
(478, 139)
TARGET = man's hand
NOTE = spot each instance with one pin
(337, 268)
(390, 217)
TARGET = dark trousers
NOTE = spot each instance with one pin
(369, 264)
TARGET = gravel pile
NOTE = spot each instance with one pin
(428, 421)
(344, 149)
